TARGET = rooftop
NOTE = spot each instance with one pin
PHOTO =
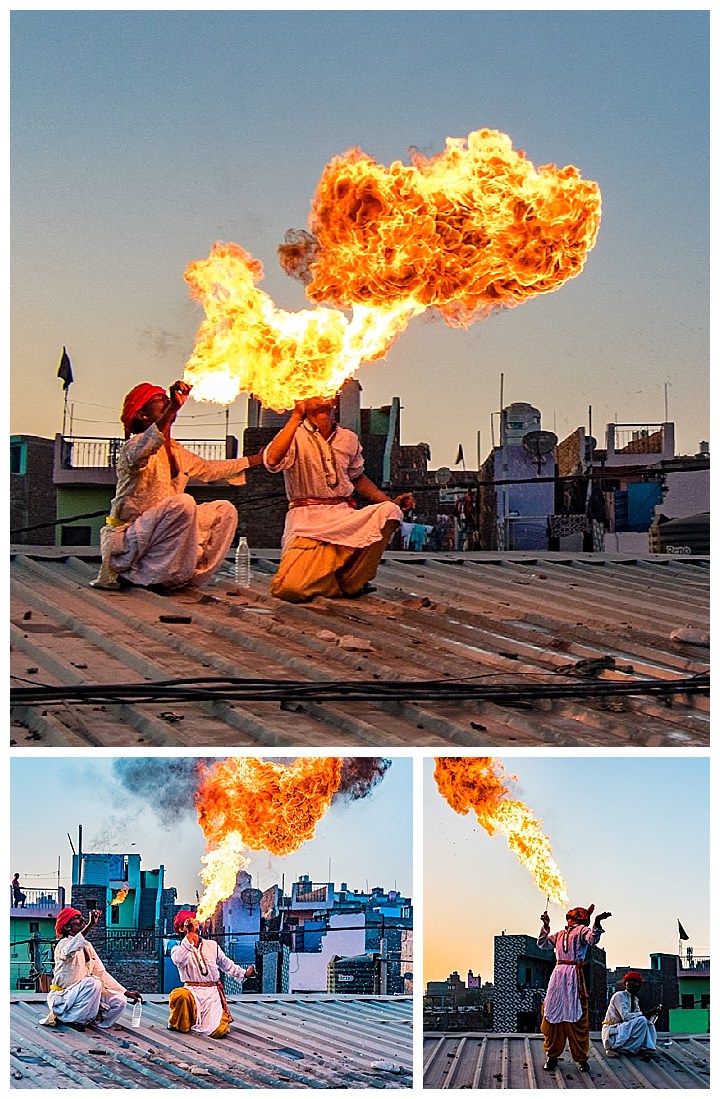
(521, 649)
(274, 1042)
(515, 1061)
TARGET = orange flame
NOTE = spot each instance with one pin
(473, 229)
(120, 896)
(246, 802)
(481, 784)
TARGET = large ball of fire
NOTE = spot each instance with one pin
(472, 229)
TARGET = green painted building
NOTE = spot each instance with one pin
(693, 1014)
(32, 938)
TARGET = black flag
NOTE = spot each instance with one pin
(65, 370)
(682, 932)
(460, 456)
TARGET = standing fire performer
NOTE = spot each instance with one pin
(565, 1010)
(626, 1027)
(82, 991)
(329, 547)
(156, 534)
(201, 1006)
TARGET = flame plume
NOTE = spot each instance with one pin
(120, 896)
(247, 802)
(471, 230)
(481, 784)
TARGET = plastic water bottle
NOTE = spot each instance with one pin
(242, 563)
(137, 1013)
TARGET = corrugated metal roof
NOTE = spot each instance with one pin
(515, 1061)
(274, 1042)
(484, 619)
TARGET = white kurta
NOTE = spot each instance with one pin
(157, 533)
(197, 966)
(325, 469)
(562, 999)
(82, 987)
(625, 1028)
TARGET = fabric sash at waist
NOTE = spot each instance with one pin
(303, 501)
(212, 984)
(582, 987)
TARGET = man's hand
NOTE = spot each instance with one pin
(179, 393)
(255, 459)
(93, 917)
(405, 501)
(192, 928)
(653, 1011)
(601, 916)
(133, 996)
(299, 409)
(545, 921)
(250, 971)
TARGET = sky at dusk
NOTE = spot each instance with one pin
(365, 843)
(139, 138)
(629, 835)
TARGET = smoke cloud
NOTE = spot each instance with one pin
(360, 775)
(166, 786)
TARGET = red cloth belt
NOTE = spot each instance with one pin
(303, 501)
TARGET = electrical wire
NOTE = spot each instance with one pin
(223, 689)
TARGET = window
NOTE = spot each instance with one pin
(115, 914)
(75, 536)
(687, 1001)
(18, 457)
(705, 1000)
(36, 927)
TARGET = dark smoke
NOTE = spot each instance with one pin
(297, 253)
(167, 786)
(360, 775)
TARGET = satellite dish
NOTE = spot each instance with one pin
(251, 897)
(590, 446)
(443, 475)
(539, 443)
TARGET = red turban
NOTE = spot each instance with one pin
(632, 975)
(179, 920)
(64, 917)
(135, 400)
(582, 915)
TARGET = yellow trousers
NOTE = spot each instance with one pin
(577, 1035)
(183, 1014)
(309, 568)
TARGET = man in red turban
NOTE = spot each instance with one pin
(626, 1027)
(156, 534)
(82, 990)
(565, 1010)
(200, 1005)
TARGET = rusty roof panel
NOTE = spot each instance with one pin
(274, 1042)
(490, 1061)
(473, 620)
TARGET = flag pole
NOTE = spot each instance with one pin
(65, 409)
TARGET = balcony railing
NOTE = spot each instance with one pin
(693, 965)
(39, 899)
(89, 453)
(128, 940)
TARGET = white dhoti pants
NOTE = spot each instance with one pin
(82, 1002)
(178, 542)
(633, 1036)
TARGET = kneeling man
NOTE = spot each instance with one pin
(329, 546)
(200, 1006)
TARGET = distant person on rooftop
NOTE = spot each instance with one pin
(201, 1006)
(565, 1010)
(626, 1028)
(156, 535)
(330, 546)
(82, 992)
(18, 897)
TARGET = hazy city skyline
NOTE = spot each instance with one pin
(141, 137)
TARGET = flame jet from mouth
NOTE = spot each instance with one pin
(252, 803)
(471, 230)
(481, 784)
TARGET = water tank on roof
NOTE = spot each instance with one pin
(356, 975)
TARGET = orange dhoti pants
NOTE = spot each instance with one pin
(308, 568)
(183, 1014)
(577, 1035)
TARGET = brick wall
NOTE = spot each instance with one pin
(139, 969)
(32, 493)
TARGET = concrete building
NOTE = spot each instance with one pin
(692, 1016)
(32, 936)
(32, 492)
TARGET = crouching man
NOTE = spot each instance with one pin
(82, 992)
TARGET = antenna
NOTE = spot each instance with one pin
(538, 444)
(250, 897)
